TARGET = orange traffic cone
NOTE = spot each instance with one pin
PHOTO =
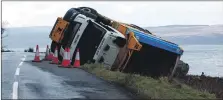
(37, 58)
(47, 53)
(55, 57)
(77, 59)
(66, 58)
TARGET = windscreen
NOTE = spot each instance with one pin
(89, 42)
(70, 33)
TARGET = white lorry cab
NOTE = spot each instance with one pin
(98, 43)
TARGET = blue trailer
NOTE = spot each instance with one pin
(157, 57)
(157, 42)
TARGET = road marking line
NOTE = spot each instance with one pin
(17, 71)
(20, 63)
(16, 84)
(15, 90)
(23, 59)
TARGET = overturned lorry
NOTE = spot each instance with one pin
(120, 46)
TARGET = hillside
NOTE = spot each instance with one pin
(190, 34)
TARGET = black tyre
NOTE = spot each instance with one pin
(89, 10)
(103, 19)
(68, 14)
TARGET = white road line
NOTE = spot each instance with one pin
(16, 84)
(17, 71)
(20, 63)
(15, 90)
(23, 59)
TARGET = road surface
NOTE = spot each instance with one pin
(23, 79)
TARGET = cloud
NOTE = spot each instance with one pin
(142, 13)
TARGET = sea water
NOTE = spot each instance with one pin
(204, 58)
(41, 49)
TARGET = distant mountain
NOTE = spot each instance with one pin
(216, 39)
(190, 34)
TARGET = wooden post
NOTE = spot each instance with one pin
(174, 69)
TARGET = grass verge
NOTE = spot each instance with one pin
(147, 87)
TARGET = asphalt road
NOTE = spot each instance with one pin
(24, 79)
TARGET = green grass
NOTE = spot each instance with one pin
(147, 87)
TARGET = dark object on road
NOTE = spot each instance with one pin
(3, 50)
(29, 50)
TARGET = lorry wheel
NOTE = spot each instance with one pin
(97, 16)
(90, 10)
(68, 14)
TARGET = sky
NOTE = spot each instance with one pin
(141, 13)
